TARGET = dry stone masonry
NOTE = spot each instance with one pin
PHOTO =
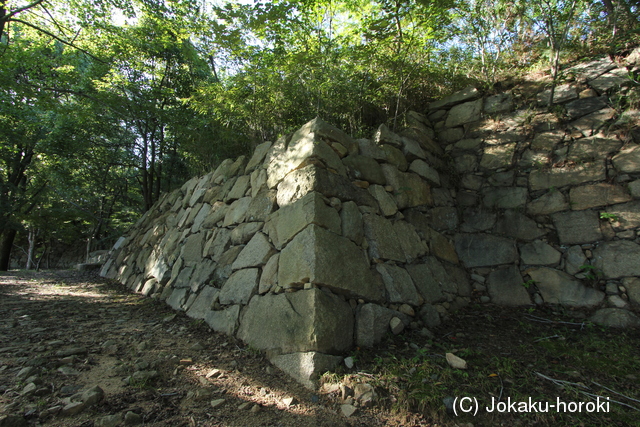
(320, 242)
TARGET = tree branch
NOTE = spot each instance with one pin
(28, 24)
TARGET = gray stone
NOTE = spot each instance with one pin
(632, 285)
(237, 211)
(626, 215)
(224, 321)
(202, 215)
(615, 318)
(611, 79)
(539, 253)
(483, 250)
(442, 248)
(498, 156)
(216, 214)
(108, 421)
(558, 287)
(628, 160)
(466, 163)
(588, 125)
(258, 180)
(202, 272)
(222, 273)
(387, 203)
(421, 168)
(372, 323)
(426, 280)
(409, 189)
(471, 144)
(312, 178)
(241, 234)
(368, 149)
(364, 168)
(477, 219)
(560, 177)
(596, 147)
(546, 141)
(502, 179)
(517, 225)
(444, 218)
(177, 298)
(191, 251)
(464, 113)
(269, 277)
(505, 197)
(255, 254)
(398, 283)
(307, 142)
(259, 153)
(396, 325)
(412, 149)
(582, 107)
(634, 188)
(307, 320)
(505, 287)
(451, 135)
(410, 242)
(383, 135)
(323, 258)
(617, 259)
(575, 260)
(351, 221)
(383, 242)
(395, 157)
(466, 94)
(551, 202)
(289, 220)
(203, 302)
(306, 367)
(262, 205)
(430, 316)
(577, 227)
(499, 103)
(561, 94)
(239, 188)
(218, 244)
(593, 69)
(594, 195)
(240, 287)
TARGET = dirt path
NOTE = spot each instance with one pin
(62, 333)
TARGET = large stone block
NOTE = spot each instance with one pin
(307, 320)
(427, 278)
(237, 212)
(617, 259)
(262, 205)
(307, 142)
(409, 189)
(224, 321)
(464, 113)
(577, 227)
(498, 156)
(551, 202)
(289, 220)
(364, 168)
(626, 215)
(425, 171)
(519, 226)
(240, 287)
(387, 203)
(259, 154)
(351, 222)
(505, 197)
(628, 160)
(594, 195)
(463, 95)
(560, 177)
(255, 254)
(397, 281)
(382, 239)
(558, 287)
(505, 287)
(483, 250)
(306, 367)
(323, 258)
(203, 302)
(410, 242)
(372, 323)
(539, 253)
(312, 178)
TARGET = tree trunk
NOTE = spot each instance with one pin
(31, 237)
(6, 244)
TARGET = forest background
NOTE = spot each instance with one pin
(104, 105)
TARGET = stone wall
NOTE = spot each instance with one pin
(320, 242)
